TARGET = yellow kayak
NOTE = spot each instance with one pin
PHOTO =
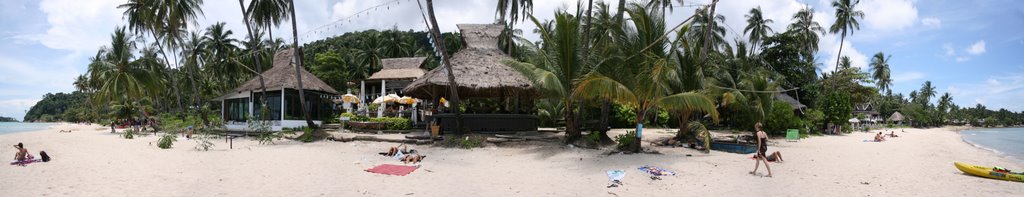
(988, 172)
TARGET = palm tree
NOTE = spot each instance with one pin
(267, 14)
(846, 21)
(220, 45)
(560, 63)
(123, 77)
(945, 102)
(927, 92)
(645, 85)
(708, 31)
(757, 27)
(880, 66)
(807, 31)
(844, 63)
(144, 16)
(298, 65)
(254, 49)
(512, 9)
(435, 34)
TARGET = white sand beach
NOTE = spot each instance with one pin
(92, 162)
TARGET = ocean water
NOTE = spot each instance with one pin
(12, 127)
(1005, 141)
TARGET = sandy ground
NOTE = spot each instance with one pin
(92, 162)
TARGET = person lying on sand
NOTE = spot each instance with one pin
(775, 157)
(893, 134)
(879, 137)
(398, 150)
(413, 159)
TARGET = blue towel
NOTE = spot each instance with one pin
(616, 175)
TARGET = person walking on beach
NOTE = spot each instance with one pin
(762, 147)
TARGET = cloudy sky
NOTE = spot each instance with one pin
(969, 48)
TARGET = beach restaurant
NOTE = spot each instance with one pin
(391, 79)
(282, 97)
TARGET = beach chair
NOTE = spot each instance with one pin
(792, 135)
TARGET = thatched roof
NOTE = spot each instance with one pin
(478, 69)
(896, 116)
(795, 104)
(283, 75)
(406, 68)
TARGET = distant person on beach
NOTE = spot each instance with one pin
(893, 134)
(762, 147)
(112, 126)
(879, 137)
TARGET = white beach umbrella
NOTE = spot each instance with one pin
(854, 120)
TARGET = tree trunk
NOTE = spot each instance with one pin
(622, 9)
(192, 80)
(256, 61)
(684, 132)
(707, 31)
(174, 82)
(452, 86)
(640, 113)
(839, 55)
(572, 132)
(297, 55)
(605, 111)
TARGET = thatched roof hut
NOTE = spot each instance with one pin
(896, 116)
(406, 68)
(282, 75)
(479, 71)
(793, 103)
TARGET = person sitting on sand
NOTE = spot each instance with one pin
(893, 134)
(22, 153)
(762, 147)
(879, 137)
(775, 157)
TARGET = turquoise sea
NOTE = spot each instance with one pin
(12, 127)
(1004, 141)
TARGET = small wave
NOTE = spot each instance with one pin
(982, 147)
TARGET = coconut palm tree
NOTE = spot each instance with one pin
(846, 21)
(880, 66)
(927, 92)
(512, 9)
(844, 63)
(807, 31)
(645, 84)
(757, 27)
(298, 65)
(221, 46)
(558, 67)
(254, 48)
(144, 16)
(708, 30)
(267, 14)
(435, 34)
(122, 76)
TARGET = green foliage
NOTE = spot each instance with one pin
(203, 142)
(128, 134)
(7, 119)
(592, 139)
(780, 118)
(56, 105)
(308, 135)
(836, 107)
(394, 123)
(167, 140)
(353, 117)
(623, 116)
(813, 121)
(625, 140)
(465, 142)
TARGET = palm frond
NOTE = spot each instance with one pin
(689, 101)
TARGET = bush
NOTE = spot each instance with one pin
(465, 142)
(167, 140)
(625, 140)
(129, 134)
(394, 123)
(780, 118)
(353, 117)
(308, 135)
(593, 139)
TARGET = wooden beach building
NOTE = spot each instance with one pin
(282, 96)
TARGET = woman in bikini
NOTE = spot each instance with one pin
(762, 147)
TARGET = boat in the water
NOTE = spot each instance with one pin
(990, 172)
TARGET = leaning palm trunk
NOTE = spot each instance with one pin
(256, 60)
(174, 82)
(452, 86)
(298, 65)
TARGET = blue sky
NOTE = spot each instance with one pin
(970, 48)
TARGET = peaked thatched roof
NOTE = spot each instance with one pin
(795, 104)
(478, 69)
(283, 75)
(896, 116)
(400, 68)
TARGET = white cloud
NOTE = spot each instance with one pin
(995, 92)
(78, 26)
(907, 76)
(931, 22)
(888, 15)
(977, 48)
(962, 59)
(15, 108)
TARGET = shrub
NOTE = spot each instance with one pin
(167, 140)
(204, 143)
(308, 135)
(465, 142)
(394, 123)
(593, 139)
(625, 140)
(780, 118)
(129, 134)
(353, 117)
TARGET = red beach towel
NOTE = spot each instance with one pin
(390, 169)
